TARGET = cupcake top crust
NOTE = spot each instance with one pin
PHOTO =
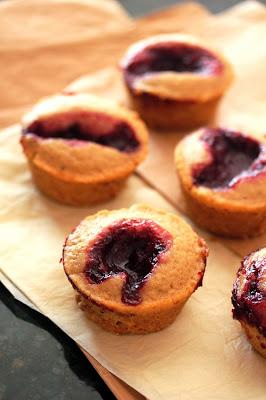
(83, 135)
(176, 66)
(132, 247)
(224, 164)
(249, 291)
(137, 257)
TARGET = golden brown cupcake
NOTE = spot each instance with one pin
(249, 298)
(223, 177)
(81, 148)
(134, 269)
(175, 81)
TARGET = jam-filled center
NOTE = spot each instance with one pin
(87, 127)
(131, 247)
(249, 297)
(171, 56)
(233, 157)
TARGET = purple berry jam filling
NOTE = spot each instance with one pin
(233, 157)
(250, 303)
(169, 56)
(101, 129)
(132, 247)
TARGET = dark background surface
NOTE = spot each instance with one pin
(138, 8)
(37, 360)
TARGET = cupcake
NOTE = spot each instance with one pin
(81, 148)
(134, 269)
(249, 298)
(175, 81)
(223, 178)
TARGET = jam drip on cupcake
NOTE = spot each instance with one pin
(92, 127)
(172, 56)
(233, 156)
(131, 247)
(249, 291)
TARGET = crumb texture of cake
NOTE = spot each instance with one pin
(175, 81)
(81, 148)
(249, 298)
(134, 269)
(223, 178)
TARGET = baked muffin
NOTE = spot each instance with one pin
(223, 177)
(134, 269)
(81, 148)
(175, 81)
(249, 298)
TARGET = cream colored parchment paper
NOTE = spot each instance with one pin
(203, 352)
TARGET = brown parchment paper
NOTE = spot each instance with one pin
(46, 43)
(65, 39)
(182, 360)
(202, 355)
(238, 35)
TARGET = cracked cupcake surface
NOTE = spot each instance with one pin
(249, 298)
(175, 81)
(223, 177)
(134, 269)
(81, 148)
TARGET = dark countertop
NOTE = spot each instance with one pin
(37, 360)
(138, 8)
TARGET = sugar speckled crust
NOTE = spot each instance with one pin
(169, 286)
(237, 211)
(173, 100)
(79, 174)
(128, 323)
(168, 114)
(257, 340)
